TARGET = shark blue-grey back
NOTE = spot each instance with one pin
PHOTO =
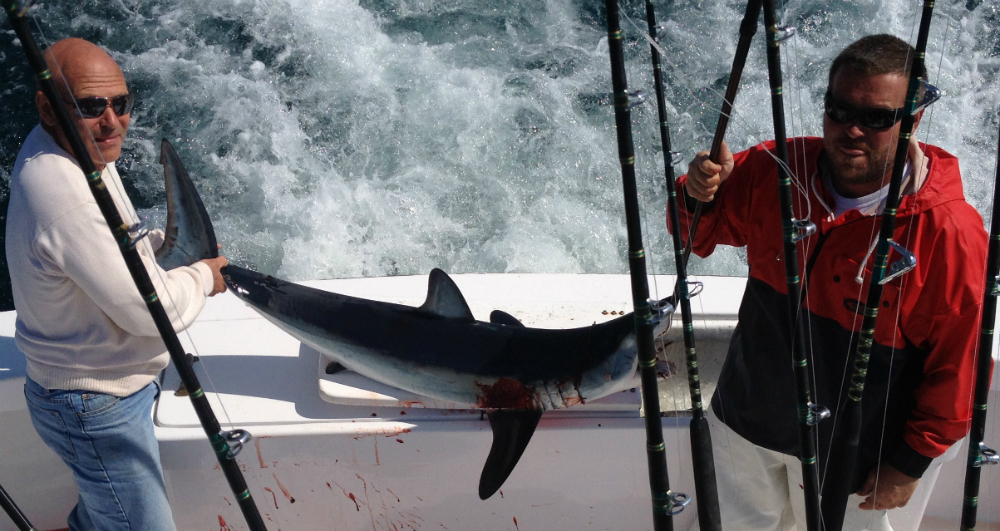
(439, 350)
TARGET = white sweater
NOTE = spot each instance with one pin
(81, 322)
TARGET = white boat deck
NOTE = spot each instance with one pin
(343, 452)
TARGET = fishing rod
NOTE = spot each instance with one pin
(225, 443)
(702, 459)
(748, 28)
(793, 231)
(666, 504)
(980, 454)
(14, 512)
(843, 457)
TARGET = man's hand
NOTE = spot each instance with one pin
(705, 176)
(893, 490)
(215, 264)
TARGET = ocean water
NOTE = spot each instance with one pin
(343, 138)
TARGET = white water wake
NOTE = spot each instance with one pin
(339, 138)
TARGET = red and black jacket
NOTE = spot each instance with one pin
(918, 393)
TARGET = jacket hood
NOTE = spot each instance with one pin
(931, 183)
(938, 186)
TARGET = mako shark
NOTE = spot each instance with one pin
(439, 349)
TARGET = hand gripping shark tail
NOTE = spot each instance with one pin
(189, 236)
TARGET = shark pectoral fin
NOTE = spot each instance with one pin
(444, 298)
(504, 318)
(512, 429)
(334, 367)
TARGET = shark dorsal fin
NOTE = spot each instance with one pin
(512, 429)
(444, 298)
(504, 318)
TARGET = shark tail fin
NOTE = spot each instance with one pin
(512, 429)
(189, 235)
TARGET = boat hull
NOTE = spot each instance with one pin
(355, 455)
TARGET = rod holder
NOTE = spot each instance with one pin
(784, 33)
(235, 439)
(803, 229)
(635, 99)
(661, 33)
(659, 310)
(818, 414)
(677, 502)
(987, 456)
(901, 266)
(136, 232)
(931, 94)
(694, 288)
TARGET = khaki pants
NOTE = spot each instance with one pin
(760, 489)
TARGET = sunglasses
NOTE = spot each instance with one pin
(94, 106)
(870, 118)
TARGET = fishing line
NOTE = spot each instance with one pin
(806, 188)
(676, 404)
(124, 202)
(861, 280)
(753, 138)
(914, 176)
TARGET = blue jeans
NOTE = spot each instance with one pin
(108, 443)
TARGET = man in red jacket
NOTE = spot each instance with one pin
(917, 399)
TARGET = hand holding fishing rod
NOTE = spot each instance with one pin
(706, 174)
(748, 28)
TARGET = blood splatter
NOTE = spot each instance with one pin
(385, 432)
(283, 489)
(515, 524)
(256, 442)
(505, 393)
(273, 496)
(400, 441)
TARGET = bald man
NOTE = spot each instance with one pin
(93, 352)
